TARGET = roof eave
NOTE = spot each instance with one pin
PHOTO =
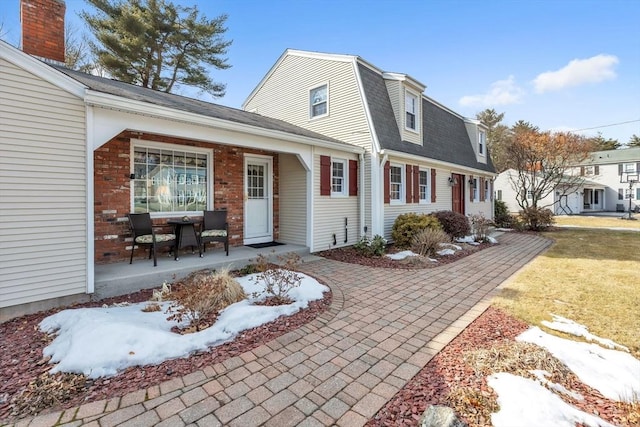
(104, 100)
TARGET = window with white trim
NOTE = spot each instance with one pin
(629, 168)
(411, 111)
(339, 177)
(170, 179)
(319, 101)
(476, 190)
(487, 194)
(499, 195)
(425, 186)
(396, 184)
(482, 142)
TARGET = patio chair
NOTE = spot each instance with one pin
(144, 235)
(215, 228)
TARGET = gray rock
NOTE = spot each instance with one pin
(440, 416)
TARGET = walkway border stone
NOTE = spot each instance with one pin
(382, 328)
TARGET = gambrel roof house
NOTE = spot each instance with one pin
(420, 155)
(80, 152)
(603, 185)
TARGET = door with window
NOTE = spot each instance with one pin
(258, 204)
(457, 193)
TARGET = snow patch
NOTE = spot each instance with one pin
(613, 373)
(101, 341)
(541, 375)
(568, 326)
(445, 252)
(401, 255)
(524, 402)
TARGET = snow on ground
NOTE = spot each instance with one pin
(492, 240)
(101, 341)
(524, 402)
(613, 373)
(401, 255)
(466, 239)
(541, 375)
(570, 327)
(445, 252)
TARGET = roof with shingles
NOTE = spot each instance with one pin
(183, 103)
(445, 137)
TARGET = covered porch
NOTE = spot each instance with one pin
(123, 278)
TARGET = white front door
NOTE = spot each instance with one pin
(258, 205)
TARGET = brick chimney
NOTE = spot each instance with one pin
(43, 29)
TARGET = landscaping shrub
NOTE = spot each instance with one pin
(371, 247)
(426, 242)
(408, 224)
(537, 219)
(480, 227)
(278, 279)
(204, 295)
(501, 216)
(453, 223)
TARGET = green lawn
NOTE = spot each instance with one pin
(591, 276)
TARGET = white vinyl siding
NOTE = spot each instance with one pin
(285, 96)
(330, 213)
(293, 200)
(443, 201)
(43, 190)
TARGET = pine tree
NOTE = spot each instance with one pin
(157, 44)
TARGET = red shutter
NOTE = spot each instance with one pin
(325, 175)
(416, 184)
(471, 188)
(387, 183)
(353, 177)
(481, 189)
(408, 181)
(433, 185)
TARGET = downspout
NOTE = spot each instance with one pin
(363, 226)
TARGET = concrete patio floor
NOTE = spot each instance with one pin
(122, 278)
(340, 369)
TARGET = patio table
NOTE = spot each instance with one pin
(186, 236)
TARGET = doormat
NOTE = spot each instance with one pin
(264, 245)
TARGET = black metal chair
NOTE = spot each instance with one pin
(215, 228)
(144, 235)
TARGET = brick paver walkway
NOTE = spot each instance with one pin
(382, 328)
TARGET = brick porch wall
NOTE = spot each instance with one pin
(112, 188)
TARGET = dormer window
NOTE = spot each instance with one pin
(411, 109)
(318, 101)
(482, 141)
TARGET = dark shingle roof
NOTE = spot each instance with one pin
(444, 138)
(182, 103)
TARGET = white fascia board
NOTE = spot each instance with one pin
(452, 166)
(404, 78)
(363, 97)
(103, 100)
(41, 69)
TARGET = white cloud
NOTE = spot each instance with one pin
(501, 92)
(579, 71)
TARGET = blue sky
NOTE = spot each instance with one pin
(561, 65)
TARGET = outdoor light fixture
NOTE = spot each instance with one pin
(452, 181)
(471, 182)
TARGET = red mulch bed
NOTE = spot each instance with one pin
(22, 344)
(448, 369)
(351, 255)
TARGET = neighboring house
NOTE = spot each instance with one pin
(602, 188)
(419, 155)
(79, 152)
